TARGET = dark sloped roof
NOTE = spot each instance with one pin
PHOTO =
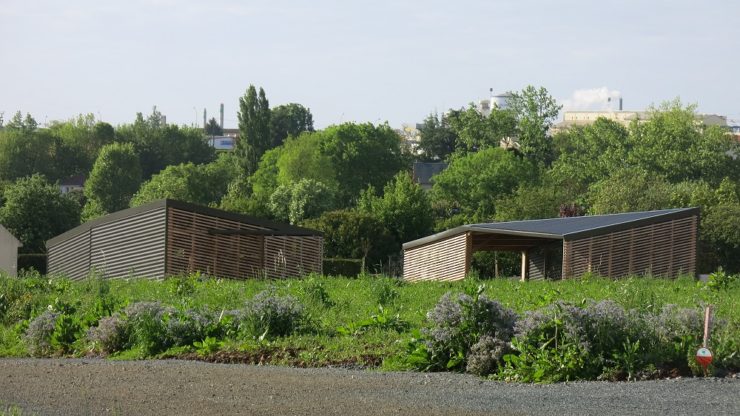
(423, 171)
(274, 228)
(570, 228)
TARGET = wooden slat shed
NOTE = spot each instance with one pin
(657, 243)
(169, 237)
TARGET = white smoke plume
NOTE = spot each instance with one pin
(594, 99)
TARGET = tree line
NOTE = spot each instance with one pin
(352, 181)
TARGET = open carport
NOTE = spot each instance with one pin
(656, 243)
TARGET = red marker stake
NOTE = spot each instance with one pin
(704, 356)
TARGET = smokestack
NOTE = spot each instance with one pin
(204, 120)
(620, 103)
(222, 117)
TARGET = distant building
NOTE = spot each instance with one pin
(424, 171)
(411, 136)
(9, 246)
(73, 183)
(224, 143)
(499, 100)
(586, 118)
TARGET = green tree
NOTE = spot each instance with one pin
(404, 208)
(115, 178)
(84, 137)
(301, 200)
(467, 190)
(35, 211)
(254, 129)
(198, 184)
(23, 153)
(160, 145)
(591, 153)
(19, 123)
(438, 140)
(630, 189)
(302, 158)
(213, 129)
(289, 120)
(354, 234)
(675, 144)
(536, 111)
(362, 155)
(720, 238)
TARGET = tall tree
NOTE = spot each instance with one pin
(404, 208)
(35, 211)
(254, 129)
(199, 184)
(438, 140)
(289, 120)
(213, 129)
(536, 111)
(115, 178)
(160, 145)
(362, 155)
(467, 190)
(674, 143)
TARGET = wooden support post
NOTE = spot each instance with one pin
(525, 260)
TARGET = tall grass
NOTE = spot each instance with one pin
(356, 321)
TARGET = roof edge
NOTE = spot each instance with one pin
(653, 219)
(185, 206)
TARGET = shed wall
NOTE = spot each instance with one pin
(71, 258)
(8, 252)
(190, 247)
(442, 260)
(132, 246)
(662, 249)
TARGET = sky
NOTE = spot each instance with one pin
(357, 60)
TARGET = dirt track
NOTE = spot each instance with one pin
(94, 387)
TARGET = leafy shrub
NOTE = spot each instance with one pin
(39, 333)
(382, 320)
(342, 267)
(486, 354)
(385, 291)
(679, 331)
(148, 325)
(315, 290)
(459, 321)
(66, 331)
(720, 280)
(190, 326)
(267, 315)
(111, 335)
(551, 343)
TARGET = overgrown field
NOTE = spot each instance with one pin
(590, 328)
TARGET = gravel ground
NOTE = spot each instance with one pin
(95, 387)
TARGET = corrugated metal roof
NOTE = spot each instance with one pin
(564, 228)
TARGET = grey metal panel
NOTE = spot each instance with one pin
(132, 246)
(70, 258)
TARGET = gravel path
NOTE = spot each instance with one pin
(95, 387)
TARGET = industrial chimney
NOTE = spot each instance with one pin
(204, 120)
(222, 117)
(620, 103)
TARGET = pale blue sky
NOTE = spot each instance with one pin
(393, 61)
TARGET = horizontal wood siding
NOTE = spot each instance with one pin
(132, 246)
(442, 260)
(190, 248)
(665, 249)
(71, 258)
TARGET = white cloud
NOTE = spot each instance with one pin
(592, 99)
